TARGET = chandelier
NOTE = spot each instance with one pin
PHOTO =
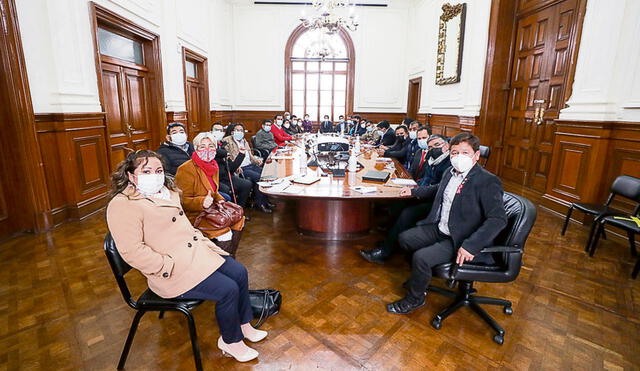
(331, 15)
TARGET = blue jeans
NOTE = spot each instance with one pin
(228, 286)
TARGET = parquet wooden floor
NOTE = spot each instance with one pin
(60, 308)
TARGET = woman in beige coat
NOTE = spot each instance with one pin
(153, 234)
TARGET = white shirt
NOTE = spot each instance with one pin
(246, 161)
(447, 199)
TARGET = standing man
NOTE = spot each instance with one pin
(467, 215)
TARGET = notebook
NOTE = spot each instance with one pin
(376, 176)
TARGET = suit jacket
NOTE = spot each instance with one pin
(326, 127)
(265, 140)
(234, 150)
(412, 149)
(388, 139)
(155, 237)
(194, 185)
(477, 214)
(174, 156)
(398, 150)
(358, 129)
(428, 174)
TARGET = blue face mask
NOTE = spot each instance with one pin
(266, 128)
(238, 135)
(422, 143)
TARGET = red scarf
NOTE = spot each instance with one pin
(210, 169)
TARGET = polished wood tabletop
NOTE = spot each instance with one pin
(281, 165)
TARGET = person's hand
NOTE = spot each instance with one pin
(463, 256)
(208, 200)
(220, 202)
(405, 191)
(259, 161)
(242, 149)
(239, 171)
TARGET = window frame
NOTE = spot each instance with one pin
(349, 73)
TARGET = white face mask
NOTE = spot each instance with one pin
(462, 163)
(287, 125)
(179, 138)
(238, 135)
(150, 184)
(279, 122)
(218, 135)
(413, 134)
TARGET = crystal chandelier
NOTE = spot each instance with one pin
(331, 15)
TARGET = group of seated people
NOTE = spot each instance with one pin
(156, 198)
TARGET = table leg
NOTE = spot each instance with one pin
(334, 219)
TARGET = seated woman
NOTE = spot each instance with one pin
(289, 128)
(154, 236)
(199, 183)
(250, 167)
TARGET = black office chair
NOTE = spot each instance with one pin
(485, 152)
(627, 224)
(507, 253)
(263, 153)
(625, 186)
(148, 302)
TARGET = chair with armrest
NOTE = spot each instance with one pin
(262, 153)
(485, 152)
(148, 302)
(630, 225)
(625, 186)
(507, 253)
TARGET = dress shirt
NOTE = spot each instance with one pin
(447, 199)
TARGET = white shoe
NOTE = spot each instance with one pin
(257, 336)
(248, 355)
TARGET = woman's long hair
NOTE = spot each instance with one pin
(120, 177)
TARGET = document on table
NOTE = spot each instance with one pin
(280, 186)
(294, 189)
(403, 182)
(365, 189)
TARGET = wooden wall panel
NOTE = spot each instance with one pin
(74, 154)
(177, 116)
(450, 125)
(393, 117)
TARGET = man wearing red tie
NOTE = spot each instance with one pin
(278, 132)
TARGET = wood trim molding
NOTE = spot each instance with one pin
(14, 88)
(177, 116)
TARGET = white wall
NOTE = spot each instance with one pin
(607, 80)
(462, 98)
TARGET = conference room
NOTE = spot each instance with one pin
(319, 184)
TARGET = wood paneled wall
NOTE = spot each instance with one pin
(75, 160)
(587, 157)
(177, 116)
(449, 125)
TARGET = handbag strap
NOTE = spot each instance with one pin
(263, 316)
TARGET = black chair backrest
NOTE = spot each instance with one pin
(253, 141)
(485, 152)
(521, 215)
(119, 268)
(626, 186)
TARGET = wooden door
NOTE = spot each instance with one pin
(196, 92)
(538, 78)
(413, 103)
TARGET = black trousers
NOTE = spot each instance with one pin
(406, 216)
(252, 172)
(228, 286)
(430, 247)
(241, 186)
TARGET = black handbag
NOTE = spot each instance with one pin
(264, 304)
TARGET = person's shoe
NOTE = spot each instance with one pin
(271, 204)
(378, 256)
(257, 336)
(404, 306)
(265, 209)
(248, 355)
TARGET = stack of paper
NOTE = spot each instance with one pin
(364, 189)
(403, 182)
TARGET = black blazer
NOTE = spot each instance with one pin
(477, 214)
(326, 127)
(398, 150)
(388, 139)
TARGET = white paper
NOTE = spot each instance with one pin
(293, 189)
(404, 182)
(365, 189)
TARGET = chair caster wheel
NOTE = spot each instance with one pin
(499, 339)
(436, 324)
(508, 310)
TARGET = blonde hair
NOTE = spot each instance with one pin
(204, 135)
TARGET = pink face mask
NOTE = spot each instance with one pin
(207, 155)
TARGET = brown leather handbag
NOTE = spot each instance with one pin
(218, 216)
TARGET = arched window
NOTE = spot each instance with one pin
(319, 74)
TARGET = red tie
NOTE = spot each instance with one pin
(424, 154)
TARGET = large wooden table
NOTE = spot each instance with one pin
(330, 209)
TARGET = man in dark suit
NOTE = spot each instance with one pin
(467, 216)
(326, 126)
(429, 167)
(358, 127)
(387, 135)
(399, 149)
